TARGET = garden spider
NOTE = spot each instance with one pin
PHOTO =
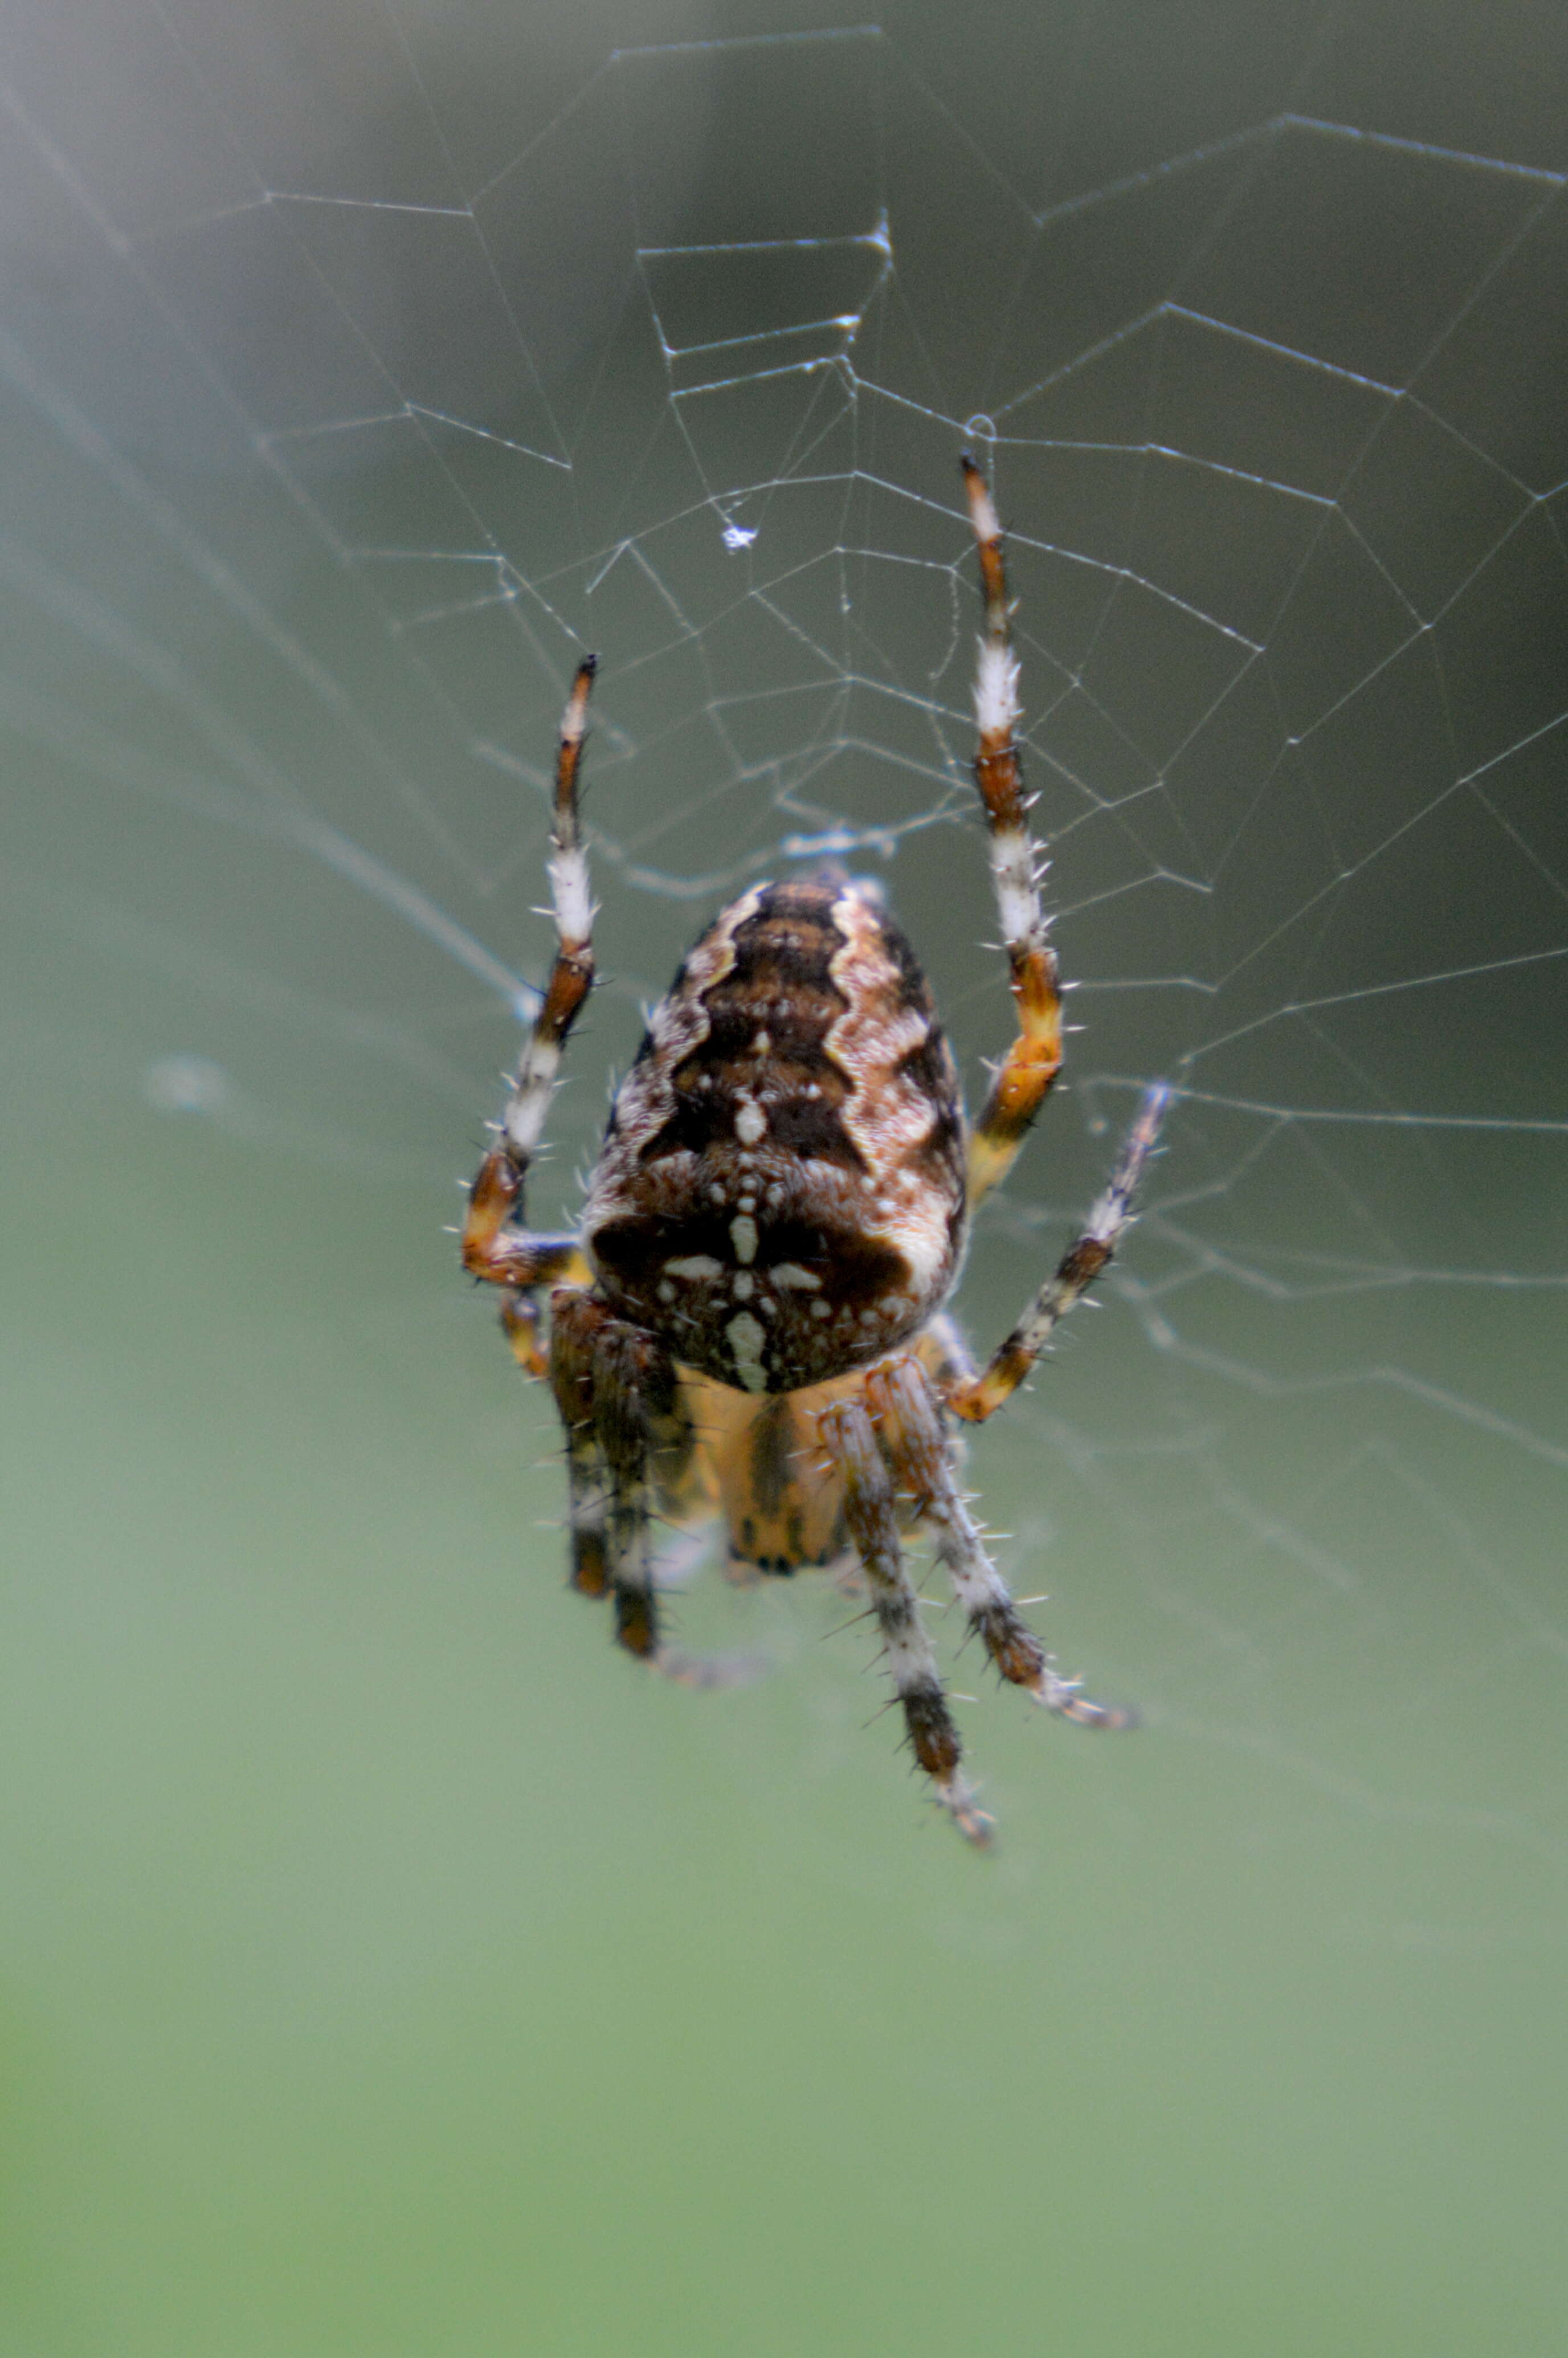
(748, 1323)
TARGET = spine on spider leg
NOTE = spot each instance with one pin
(1016, 861)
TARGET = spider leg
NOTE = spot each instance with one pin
(915, 1443)
(634, 1381)
(492, 1247)
(630, 1455)
(1035, 1058)
(631, 1458)
(944, 1354)
(554, 1259)
(980, 1396)
(577, 1321)
(869, 1505)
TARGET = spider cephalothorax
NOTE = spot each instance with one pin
(750, 1324)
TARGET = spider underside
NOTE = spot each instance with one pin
(748, 1323)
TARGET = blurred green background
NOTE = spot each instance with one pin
(388, 1967)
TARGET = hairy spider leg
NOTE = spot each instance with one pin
(980, 1396)
(871, 1513)
(634, 1395)
(616, 1390)
(633, 1461)
(577, 1321)
(493, 1246)
(910, 1426)
(554, 1259)
(1017, 862)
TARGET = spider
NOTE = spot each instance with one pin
(749, 1323)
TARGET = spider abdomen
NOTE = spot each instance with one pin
(780, 1194)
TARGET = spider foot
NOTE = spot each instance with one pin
(957, 1797)
(710, 1673)
(1063, 1697)
(636, 1622)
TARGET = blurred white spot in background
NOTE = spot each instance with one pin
(187, 1085)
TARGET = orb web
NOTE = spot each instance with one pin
(350, 410)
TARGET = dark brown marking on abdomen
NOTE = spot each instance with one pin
(780, 990)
